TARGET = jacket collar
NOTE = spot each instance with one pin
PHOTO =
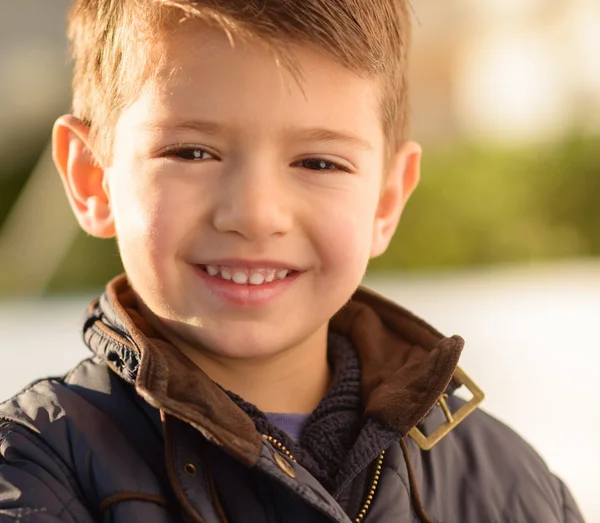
(406, 366)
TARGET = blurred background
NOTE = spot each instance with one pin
(501, 243)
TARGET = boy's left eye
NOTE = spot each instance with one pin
(319, 164)
(188, 153)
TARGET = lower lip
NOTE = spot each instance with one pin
(246, 295)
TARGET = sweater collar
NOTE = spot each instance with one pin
(406, 366)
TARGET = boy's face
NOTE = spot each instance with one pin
(227, 168)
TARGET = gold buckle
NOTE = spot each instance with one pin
(452, 419)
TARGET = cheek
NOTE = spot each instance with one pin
(149, 218)
(346, 235)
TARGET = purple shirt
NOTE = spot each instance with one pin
(292, 424)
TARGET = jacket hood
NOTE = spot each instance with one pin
(406, 366)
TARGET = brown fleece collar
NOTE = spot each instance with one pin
(405, 366)
(171, 382)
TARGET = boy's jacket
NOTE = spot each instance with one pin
(138, 434)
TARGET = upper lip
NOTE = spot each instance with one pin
(250, 264)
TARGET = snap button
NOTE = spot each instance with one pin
(190, 469)
(285, 466)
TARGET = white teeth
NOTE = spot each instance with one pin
(240, 277)
(213, 271)
(257, 278)
(246, 276)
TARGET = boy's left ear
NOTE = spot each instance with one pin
(399, 183)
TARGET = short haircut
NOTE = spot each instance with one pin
(113, 41)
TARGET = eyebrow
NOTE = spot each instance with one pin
(330, 135)
(202, 126)
(317, 134)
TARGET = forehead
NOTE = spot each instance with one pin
(202, 76)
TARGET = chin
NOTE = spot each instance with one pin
(242, 345)
(246, 353)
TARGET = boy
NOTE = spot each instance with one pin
(250, 158)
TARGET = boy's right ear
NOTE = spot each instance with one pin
(82, 176)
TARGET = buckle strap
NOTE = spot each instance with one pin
(452, 419)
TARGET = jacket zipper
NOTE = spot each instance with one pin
(372, 490)
(280, 446)
(378, 466)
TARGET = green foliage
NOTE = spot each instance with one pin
(572, 200)
(480, 206)
(89, 265)
(14, 170)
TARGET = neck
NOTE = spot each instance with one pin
(292, 381)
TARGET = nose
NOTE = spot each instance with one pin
(253, 203)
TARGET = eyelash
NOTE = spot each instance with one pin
(178, 152)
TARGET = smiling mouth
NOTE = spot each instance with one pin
(247, 276)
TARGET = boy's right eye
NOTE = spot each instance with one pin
(187, 153)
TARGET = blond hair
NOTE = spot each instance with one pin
(112, 47)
